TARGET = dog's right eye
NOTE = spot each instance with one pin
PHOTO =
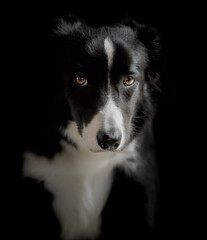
(128, 81)
(81, 81)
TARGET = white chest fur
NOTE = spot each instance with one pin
(80, 182)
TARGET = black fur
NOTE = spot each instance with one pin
(129, 212)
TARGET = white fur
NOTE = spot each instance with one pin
(109, 50)
(113, 119)
(90, 132)
(80, 182)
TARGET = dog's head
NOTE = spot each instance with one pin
(109, 74)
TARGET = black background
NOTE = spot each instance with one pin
(28, 26)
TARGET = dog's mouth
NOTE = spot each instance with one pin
(101, 150)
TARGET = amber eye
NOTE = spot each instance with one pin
(128, 81)
(81, 81)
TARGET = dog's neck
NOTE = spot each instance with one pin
(80, 181)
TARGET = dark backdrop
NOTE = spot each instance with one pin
(29, 25)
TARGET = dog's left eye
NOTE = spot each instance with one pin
(128, 81)
(81, 81)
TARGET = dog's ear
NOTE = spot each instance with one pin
(66, 24)
(66, 40)
(149, 36)
(151, 39)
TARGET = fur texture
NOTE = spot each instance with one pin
(100, 164)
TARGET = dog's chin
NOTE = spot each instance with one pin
(99, 150)
(96, 150)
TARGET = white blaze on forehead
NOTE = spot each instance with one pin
(109, 50)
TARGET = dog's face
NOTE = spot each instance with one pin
(104, 72)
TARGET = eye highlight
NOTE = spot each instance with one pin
(81, 81)
(128, 81)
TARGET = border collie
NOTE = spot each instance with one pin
(102, 175)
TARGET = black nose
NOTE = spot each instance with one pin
(109, 140)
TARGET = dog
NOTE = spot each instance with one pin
(100, 166)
